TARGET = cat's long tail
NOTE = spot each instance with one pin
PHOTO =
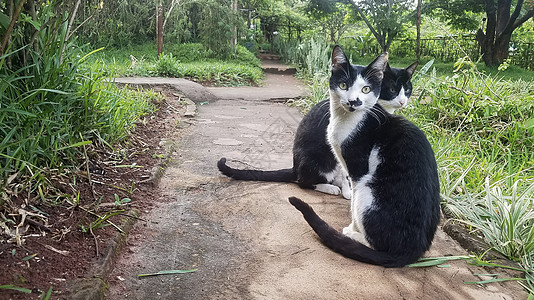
(344, 245)
(282, 175)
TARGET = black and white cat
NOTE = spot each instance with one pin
(314, 165)
(395, 205)
(396, 87)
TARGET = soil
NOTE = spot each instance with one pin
(55, 251)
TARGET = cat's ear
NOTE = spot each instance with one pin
(388, 68)
(379, 64)
(411, 69)
(339, 59)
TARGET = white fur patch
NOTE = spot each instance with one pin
(343, 122)
(362, 195)
(331, 176)
(398, 102)
(338, 178)
(352, 232)
(328, 189)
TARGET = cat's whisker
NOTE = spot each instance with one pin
(326, 115)
(377, 114)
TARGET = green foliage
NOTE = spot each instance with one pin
(479, 126)
(488, 114)
(190, 61)
(333, 20)
(126, 23)
(459, 14)
(361, 45)
(503, 215)
(50, 107)
(311, 56)
(116, 23)
(386, 18)
(282, 19)
(217, 26)
(445, 48)
(188, 52)
(220, 73)
(167, 65)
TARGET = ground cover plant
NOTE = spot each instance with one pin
(192, 61)
(482, 130)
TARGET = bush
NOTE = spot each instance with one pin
(493, 116)
(244, 56)
(189, 52)
(50, 105)
(215, 72)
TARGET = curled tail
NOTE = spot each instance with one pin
(283, 175)
(344, 245)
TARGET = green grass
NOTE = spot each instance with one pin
(482, 131)
(191, 61)
(51, 107)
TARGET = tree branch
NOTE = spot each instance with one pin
(72, 17)
(173, 3)
(10, 27)
(369, 25)
(523, 19)
(511, 22)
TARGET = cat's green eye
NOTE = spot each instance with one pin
(366, 90)
(343, 86)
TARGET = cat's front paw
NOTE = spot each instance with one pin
(347, 193)
(328, 189)
(349, 229)
(355, 235)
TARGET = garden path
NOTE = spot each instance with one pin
(244, 238)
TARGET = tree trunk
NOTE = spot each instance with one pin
(14, 19)
(233, 39)
(495, 42)
(418, 28)
(159, 24)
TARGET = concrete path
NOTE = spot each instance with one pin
(278, 85)
(244, 238)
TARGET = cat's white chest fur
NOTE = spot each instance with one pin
(342, 125)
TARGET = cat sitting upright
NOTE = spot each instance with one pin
(314, 164)
(395, 205)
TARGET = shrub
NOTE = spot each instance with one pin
(50, 105)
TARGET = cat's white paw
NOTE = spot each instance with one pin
(355, 235)
(347, 193)
(328, 189)
(351, 228)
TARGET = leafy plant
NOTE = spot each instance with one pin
(15, 288)
(504, 218)
(479, 128)
(123, 201)
(167, 65)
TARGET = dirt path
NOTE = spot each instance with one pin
(244, 238)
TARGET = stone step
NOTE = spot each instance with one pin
(279, 70)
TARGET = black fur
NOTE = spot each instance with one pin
(342, 244)
(311, 154)
(394, 80)
(283, 175)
